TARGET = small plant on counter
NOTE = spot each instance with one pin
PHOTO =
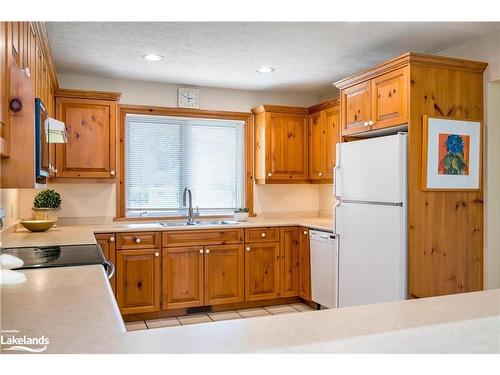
(241, 214)
(46, 204)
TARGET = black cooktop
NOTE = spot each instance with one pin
(57, 256)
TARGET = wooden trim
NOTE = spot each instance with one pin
(41, 32)
(413, 58)
(86, 94)
(324, 105)
(280, 109)
(425, 134)
(181, 112)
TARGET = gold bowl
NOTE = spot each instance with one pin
(38, 225)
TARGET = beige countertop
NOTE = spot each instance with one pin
(84, 234)
(74, 308)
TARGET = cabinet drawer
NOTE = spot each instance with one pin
(255, 235)
(138, 240)
(202, 237)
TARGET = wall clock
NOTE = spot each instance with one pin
(189, 98)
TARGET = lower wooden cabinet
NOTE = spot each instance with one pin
(262, 271)
(304, 264)
(138, 280)
(183, 277)
(224, 274)
(202, 276)
(108, 247)
(289, 262)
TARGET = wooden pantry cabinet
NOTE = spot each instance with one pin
(91, 123)
(281, 144)
(376, 103)
(324, 134)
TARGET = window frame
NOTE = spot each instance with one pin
(180, 112)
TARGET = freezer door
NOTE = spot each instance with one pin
(372, 253)
(372, 170)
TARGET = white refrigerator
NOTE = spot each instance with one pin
(370, 220)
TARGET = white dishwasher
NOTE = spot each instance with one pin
(324, 268)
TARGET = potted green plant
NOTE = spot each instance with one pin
(241, 214)
(46, 205)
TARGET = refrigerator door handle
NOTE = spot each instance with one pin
(337, 179)
(335, 218)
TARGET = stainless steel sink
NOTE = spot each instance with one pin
(197, 223)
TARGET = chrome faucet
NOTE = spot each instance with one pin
(187, 192)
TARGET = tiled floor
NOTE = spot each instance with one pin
(217, 316)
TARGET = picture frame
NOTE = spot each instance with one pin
(451, 154)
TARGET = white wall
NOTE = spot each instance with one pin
(487, 48)
(10, 202)
(98, 199)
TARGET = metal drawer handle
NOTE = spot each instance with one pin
(138, 240)
(263, 234)
(111, 239)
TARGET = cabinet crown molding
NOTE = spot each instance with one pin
(279, 109)
(411, 58)
(87, 94)
(324, 105)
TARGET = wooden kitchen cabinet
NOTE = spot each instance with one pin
(376, 103)
(324, 134)
(138, 280)
(289, 262)
(304, 264)
(262, 271)
(107, 242)
(183, 281)
(281, 144)
(224, 274)
(90, 119)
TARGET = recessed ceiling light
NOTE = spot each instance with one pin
(152, 57)
(265, 69)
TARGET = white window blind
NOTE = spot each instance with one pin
(165, 154)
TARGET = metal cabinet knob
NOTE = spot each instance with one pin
(365, 123)
(263, 234)
(201, 251)
(320, 174)
(112, 173)
(157, 254)
(138, 240)
(207, 251)
(371, 122)
(269, 174)
(305, 232)
(111, 239)
(248, 248)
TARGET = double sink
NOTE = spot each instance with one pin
(197, 223)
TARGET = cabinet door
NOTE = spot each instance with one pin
(316, 145)
(355, 103)
(289, 261)
(183, 277)
(287, 157)
(262, 271)
(332, 137)
(107, 243)
(390, 99)
(90, 151)
(138, 280)
(304, 264)
(224, 274)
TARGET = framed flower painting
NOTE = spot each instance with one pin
(451, 154)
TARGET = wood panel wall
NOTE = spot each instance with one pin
(445, 229)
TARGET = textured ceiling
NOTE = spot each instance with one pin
(307, 57)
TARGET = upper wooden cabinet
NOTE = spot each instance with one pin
(281, 144)
(324, 134)
(375, 103)
(90, 119)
